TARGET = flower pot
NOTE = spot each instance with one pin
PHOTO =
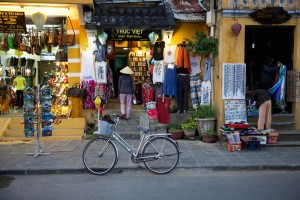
(205, 124)
(209, 138)
(176, 135)
(189, 132)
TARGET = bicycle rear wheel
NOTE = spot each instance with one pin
(100, 156)
(161, 155)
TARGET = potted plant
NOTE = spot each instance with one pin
(205, 118)
(175, 130)
(202, 44)
(209, 136)
(189, 127)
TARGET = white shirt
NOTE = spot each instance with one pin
(158, 71)
(195, 64)
(87, 66)
(169, 53)
(205, 92)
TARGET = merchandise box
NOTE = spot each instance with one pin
(272, 138)
(234, 146)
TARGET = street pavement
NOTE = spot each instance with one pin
(66, 157)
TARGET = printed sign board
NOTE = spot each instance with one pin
(12, 22)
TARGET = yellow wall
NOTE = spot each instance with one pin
(187, 30)
(231, 50)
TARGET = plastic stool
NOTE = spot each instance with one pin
(254, 144)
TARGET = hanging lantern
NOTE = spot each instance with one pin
(102, 37)
(236, 28)
(153, 37)
(39, 20)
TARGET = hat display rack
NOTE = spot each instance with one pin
(38, 150)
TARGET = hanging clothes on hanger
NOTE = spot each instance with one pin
(170, 81)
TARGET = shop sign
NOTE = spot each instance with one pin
(271, 15)
(11, 22)
(129, 35)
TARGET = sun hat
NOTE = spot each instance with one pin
(126, 70)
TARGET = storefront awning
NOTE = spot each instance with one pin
(140, 16)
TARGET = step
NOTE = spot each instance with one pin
(275, 118)
(289, 135)
(49, 138)
(281, 126)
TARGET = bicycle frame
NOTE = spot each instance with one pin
(128, 147)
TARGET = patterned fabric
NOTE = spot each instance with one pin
(148, 93)
(88, 102)
(159, 50)
(279, 88)
(101, 74)
(195, 87)
(205, 92)
(158, 71)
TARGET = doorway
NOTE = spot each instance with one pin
(273, 41)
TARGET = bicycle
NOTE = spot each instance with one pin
(159, 153)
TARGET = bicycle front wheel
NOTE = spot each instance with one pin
(100, 156)
(160, 154)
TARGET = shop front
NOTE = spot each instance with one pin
(248, 33)
(43, 45)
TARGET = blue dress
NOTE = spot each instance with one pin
(170, 81)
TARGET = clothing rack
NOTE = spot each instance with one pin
(38, 150)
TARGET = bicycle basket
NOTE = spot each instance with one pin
(105, 128)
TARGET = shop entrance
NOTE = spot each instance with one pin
(134, 54)
(273, 41)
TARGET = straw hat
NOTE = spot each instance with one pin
(126, 70)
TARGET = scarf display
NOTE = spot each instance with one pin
(278, 90)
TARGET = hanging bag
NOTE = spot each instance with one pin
(4, 45)
(67, 39)
(61, 55)
(74, 91)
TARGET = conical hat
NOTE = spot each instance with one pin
(126, 70)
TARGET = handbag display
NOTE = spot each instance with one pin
(74, 91)
(61, 55)
(66, 39)
(4, 45)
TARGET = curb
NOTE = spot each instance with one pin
(120, 170)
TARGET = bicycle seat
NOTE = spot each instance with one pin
(144, 129)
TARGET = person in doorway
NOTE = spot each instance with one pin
(126, 92)
(261, 99)
(267, 71)
(19, 83)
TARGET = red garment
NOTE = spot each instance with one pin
(147, 94)
(163, 109)
(183, 59)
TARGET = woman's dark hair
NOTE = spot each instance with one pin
(19, 73)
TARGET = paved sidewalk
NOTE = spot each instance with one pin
(66, 157)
